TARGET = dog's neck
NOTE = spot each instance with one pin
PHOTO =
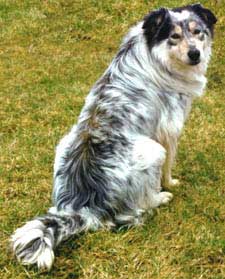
(188, 83)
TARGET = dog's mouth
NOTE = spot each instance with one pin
(194, 63)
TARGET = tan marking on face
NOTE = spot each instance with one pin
(180, 51)
(178, 29)
(192, 25)
(183, 47)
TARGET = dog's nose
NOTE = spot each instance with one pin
(194, 55)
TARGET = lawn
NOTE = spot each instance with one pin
(51, 53)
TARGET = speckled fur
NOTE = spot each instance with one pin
(108, 169)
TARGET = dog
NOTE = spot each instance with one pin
(110, 168)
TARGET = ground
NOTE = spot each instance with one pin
(51, 53)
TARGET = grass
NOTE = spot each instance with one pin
(51, 53)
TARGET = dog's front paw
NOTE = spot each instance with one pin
(172, 182)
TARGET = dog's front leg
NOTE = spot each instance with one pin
(171, 148)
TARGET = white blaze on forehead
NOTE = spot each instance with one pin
(180, 16)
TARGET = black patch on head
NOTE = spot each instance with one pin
(157, 26)
(206, 16)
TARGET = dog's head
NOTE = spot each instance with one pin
(182, 35)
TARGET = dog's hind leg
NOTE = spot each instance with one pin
(61, 152)
(149, 157)
(35, 242)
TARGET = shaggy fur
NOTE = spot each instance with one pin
(109, 168)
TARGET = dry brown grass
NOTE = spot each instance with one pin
(51, 53)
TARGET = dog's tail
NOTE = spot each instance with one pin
(36, 240)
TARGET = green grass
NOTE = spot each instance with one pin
(51, 53)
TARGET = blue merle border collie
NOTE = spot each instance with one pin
(110, 167)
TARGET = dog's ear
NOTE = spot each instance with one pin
(205, 14)
(157, 26)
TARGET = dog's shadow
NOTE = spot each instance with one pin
(68, 257)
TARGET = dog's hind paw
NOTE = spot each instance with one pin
(165, 197)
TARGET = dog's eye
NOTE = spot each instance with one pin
(175, 36)
(197, 31)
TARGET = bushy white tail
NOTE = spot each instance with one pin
(35, 241)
